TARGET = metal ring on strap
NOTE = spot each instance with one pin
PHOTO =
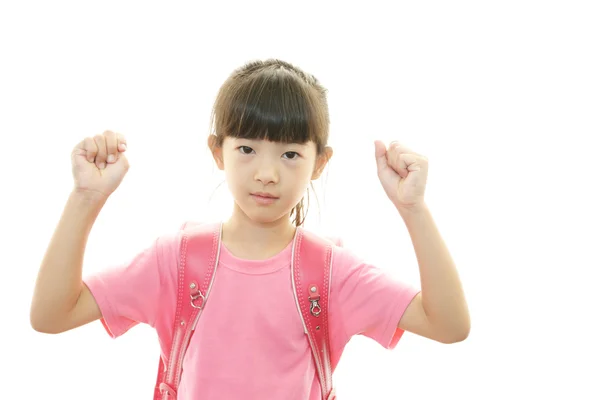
(163, 387)
(194, 298)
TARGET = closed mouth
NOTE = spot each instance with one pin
(265, 195)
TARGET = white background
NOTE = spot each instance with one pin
(503, 97)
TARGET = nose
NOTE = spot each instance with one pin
(267, 172)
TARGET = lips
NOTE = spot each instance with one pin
(264, 199)
(265, 195)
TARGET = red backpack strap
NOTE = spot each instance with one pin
(311, 277)
(198, 259)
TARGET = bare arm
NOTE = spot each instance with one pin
(440, 312)
(61, 301)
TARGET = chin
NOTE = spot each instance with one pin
(265, 218)
(264, 215)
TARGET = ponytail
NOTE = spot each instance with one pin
(299, 212)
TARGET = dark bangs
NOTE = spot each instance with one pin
(273, 103)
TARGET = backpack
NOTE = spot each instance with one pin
(199, 257)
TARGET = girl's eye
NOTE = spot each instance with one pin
(245, 149)
(290, 155)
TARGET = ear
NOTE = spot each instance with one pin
(322, 161)
(217, 151)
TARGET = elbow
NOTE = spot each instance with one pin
(456, 338)
(37, 324)
(43, 328)
(39, 328)
(457, 335)
(34, 321)
(40, 324)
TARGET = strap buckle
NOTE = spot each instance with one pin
(314, 297)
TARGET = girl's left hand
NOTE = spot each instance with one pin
(403, 174)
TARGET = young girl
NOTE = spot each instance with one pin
(269, 136)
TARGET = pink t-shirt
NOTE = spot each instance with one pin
(249, 342)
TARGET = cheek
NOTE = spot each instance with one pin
(306, 171)
(237, 172)
(231, 169)
(232, 160)
(299, 176)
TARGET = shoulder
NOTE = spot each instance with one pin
(168, 246)
(171, 241)
(352, 271)
(324, 239)
(343, 259)
(167, 251)
(347, 263)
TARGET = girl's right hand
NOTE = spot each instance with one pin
(99, 164)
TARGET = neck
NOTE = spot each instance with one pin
(254, 239)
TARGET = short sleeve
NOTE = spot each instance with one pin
(129, 294)
(367, 300)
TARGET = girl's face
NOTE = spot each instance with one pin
(267, 179)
